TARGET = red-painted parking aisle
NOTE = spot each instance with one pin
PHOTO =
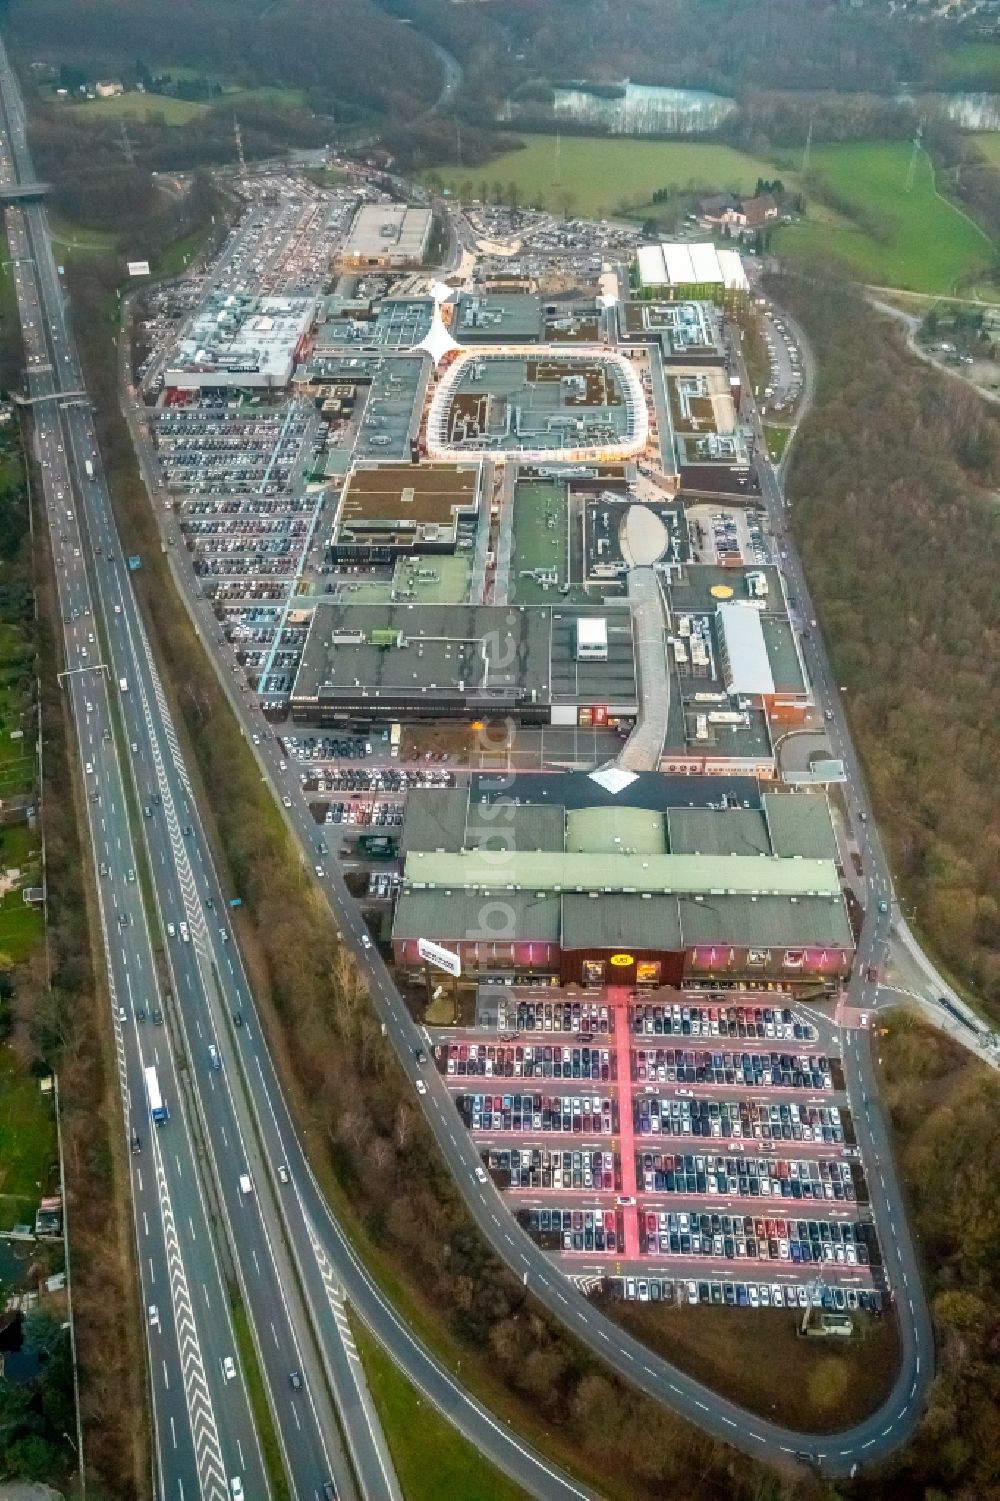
(618, 1000)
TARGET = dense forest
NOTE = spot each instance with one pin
(893, 483)
(732, 46)
(342, 51)
(945, 1111)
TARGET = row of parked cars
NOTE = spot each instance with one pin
(741, 1237)
(574, 1229)
(381, 816)
(720, 1021)
(749, 1119)
(514, 1061)
(237, 529)
(247, 505)
(328, 747)
(755, 1178)
(687, 1066)
(594, 1168)
(583, 1114)
(556, 1016)
(745, 1294)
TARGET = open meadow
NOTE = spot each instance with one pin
(896, 230)
(597, 178)
(135, 106)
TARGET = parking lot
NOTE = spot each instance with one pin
(730, 537)
(784, 380)
(230, 445)
(672, 1137)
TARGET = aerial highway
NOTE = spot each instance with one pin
(834, 1454)
(203, 1422)
(254, 1131)
(200, 1234)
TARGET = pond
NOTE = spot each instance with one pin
(643, 109)
(967, 111)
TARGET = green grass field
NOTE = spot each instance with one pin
(182, 111)
(17, 757)
(141, 107)
(27, 1142)
(914, 240)
(598, 177)
(432, 1459)
(74, 240)
(777, 440)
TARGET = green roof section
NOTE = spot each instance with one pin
(620, 922)
(710, 831)
(666, 874)
(451, 916)
(765, 922)
(506, 825)
(799, 824)
(435, 818)
(615, 830)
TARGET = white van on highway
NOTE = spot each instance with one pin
(246, 1183)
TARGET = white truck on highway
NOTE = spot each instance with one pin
(89, 468)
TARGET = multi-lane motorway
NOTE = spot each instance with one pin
(197, 1231)
(206, 1200)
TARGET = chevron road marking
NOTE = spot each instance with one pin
(211, 1470)
(334, 1291)
(586, 1284)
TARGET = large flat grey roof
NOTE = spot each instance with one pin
(710, 831)
(620, 922)
(505, 825)
(799, 823)
(435, 818)
(482, 654)
(393, 230)
(765, 921)
(509, 317)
